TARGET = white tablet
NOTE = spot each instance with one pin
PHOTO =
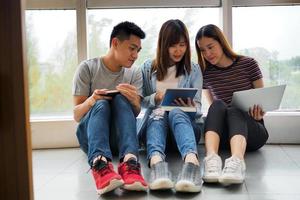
(268, 98)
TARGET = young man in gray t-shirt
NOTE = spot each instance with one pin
(107, 120)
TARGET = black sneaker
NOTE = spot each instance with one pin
(160, 177)
(190, 179)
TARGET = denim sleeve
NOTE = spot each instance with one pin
(197, 82)
(138, 80)
(149, 101)
(148, 94)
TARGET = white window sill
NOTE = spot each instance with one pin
(60, 132)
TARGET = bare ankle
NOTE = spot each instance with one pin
(99, 158)
(128, 156)
(240, 156)
(208, 153)
(192, 158)
(155, 159)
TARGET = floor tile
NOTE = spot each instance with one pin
(270, 160)
(293, 152)
(273, 185)
(272, 173)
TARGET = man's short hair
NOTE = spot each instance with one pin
(123, 30)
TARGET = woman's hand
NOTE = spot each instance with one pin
(188, 103)
(256, 112)
(158, 97)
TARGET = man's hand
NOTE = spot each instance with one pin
(98, 94)
(256, 112)
(131, 94)
(82, 104)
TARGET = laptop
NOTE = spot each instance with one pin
(268, 98)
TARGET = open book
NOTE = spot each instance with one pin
(268, 98)
(171, 94)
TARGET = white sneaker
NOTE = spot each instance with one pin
(160, 177)
(189, 179)
(234, 171)
(212, 168)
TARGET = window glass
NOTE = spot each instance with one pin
(270, 34)
(52, 58)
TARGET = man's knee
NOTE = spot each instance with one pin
(120, 101)
(101, 106)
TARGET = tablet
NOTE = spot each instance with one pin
(268, 98)
(168, 103)
(183, 93)
(112, 93)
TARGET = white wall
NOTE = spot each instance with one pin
(283, 127)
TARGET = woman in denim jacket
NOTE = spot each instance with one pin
(172, 68)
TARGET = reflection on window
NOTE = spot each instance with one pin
(150, 20)
(52, 58)
(271, 36)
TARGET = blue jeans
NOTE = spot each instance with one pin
(184, 130)
(110, 126)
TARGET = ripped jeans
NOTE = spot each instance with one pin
(182, 129)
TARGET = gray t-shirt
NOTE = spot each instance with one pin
(93, 74)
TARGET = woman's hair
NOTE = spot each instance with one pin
(170, 33)
(214, 32)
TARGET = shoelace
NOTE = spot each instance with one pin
(102, 167)
(133, 167)
(212, 163)
(231, 165)
(104, 170)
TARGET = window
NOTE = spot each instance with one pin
(150, 20)
(270, 34)
(101, 22)
(52, 58)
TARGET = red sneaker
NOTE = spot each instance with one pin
(131, 174)
(105, 177)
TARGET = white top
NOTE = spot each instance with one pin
(170, 80)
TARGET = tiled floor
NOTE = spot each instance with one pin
(272, 173)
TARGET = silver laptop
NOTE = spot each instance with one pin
(268, 98)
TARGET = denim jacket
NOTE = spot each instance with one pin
(192, 80)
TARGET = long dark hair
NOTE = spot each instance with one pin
(214, 32)
(170, 34)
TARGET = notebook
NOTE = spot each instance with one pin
(183, 93)
(268, 98)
